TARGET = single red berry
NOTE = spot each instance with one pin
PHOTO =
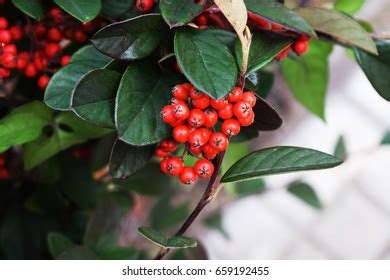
(248, 120)
(201, 103)
(3, 23)
(16, 33)
(175, 166)
(4, 174)
(194, 150)
(226, 112)
(4, 73)
(80, 36)
(180, 92)
(176, 123)
(219, 141)
(188, 86)
(144, 6)
(181, 111)
(218, 104)
(196, 118)
(241, 110)
(230, 127)
(40, 62)
(54, 34)
(8, 59)
(201, 20)
(206, 133)
(65, 60)
(40, 30)
(30, 71)
(52, 49)
(181, 133)
(11, 48)
(55, 12)
(188, 176)
(211, 117)
(89, 26)
(250, 98)
(43, 81)
(209, 152)
(197, 138)
(196, 94)
(204, 168)
(235, 95)
(283, 54)
(168, 145)
(5, 36)
(301, 47)
(159, 152)
(22, 60)
(167, 114)
(163, 164)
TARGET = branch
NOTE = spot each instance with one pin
(210, 193)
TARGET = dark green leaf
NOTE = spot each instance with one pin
(277, 12)
(89, 52)
(340, 150)
(306, 193)
(215, 222)
(206, 62)
(225, 37)
(246, 134)
(386, 139)
(58, 243)
(32, 8)
(377, 68)
(246, 188)
(126, 159)
(160, 239)
(308, 75)
(131, 39)
(278, 160)
(142, 93)
(78, 253)
(24, 124)
(179, 12)
(348, 6)
(339, 27)
(164, 215)
(260, 82)
(266, 117)
(115, 8)
(93, 98)
(83, 10)
(264, 48)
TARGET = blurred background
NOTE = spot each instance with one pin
(354, 221)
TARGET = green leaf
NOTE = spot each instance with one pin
(308, 75)
(260, 82)
(264, 48)
(68, 130)
(377, 68)
(278, 160)
(386, 139)
(32, 8)
(58, 94)
(205, 61)
(246, 188)
(340, 150)
(215, 222)
(339, 27)
(58, 243)
(164, 215)
(266, 117)
(24, 124)
(142, 93)
(348, 6)
(131, 39)
(225, 37)
(305, 193)
(160, 239)
(93, 98)
(116, 8)
(197, 253)
(126, 159)
(78, 253)
(83, 10)
(179, 12)
(89, 52)
(278, 13)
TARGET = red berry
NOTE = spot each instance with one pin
(40, 30)
(54, 34)
(181, 133)
(55, 12)
(65, 60)
(201, 20)
(180, 92)
(206, 133)
(211, 117)
(235, 95)
(204, 168)
(197, 138)
(196, 118)
(209, 152)
(4, 174)
(10, 48)
(43, 81)
(248, 120)
(241, 110)
(8, 59)
(4, 73)
(22, 60)
(52, 49)
(201, 103)
(196, 94)
(176, 123)
(167, 114)
(219, 141)
(218, 104)
(30, 71)
(89, 26)
(168, 145)
(301, 47)
(80, 36)
(159, 152)
(5, 36)
(259, 21)
(3, 23)
(175, 166)
(40, 62)
(16, 33)
(181, 111)
(144, 6)
(230, 127)
(250, 98)
(194, 150)
(163, 164)
(277, 27)
(226, 112)
(283, 54)
(188, 176)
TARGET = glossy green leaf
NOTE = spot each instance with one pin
(340, 150)
(160, 239)
(115, 8)
(131, 39)
(225, 37)
(179, 12)
(126, 159)
(32, 8)
(164, 215)
(94, 96)
(278, 160)
(386, 139)
(377, 68)
(305, 193)
(260, 82)
(58, 243)
(24, 124)
(264, 48)
(266, 117)
(278, 13)
(307, 77)
(339, 27)
(349, 6)
(83, 10)
(142, 93)
(78, 253)
(205, 61)
(89, 52)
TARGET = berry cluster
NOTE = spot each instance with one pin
(37, 49)
(4, 174)
(194, 117)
